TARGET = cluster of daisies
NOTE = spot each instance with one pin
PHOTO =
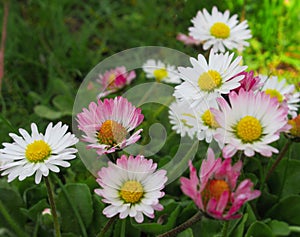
(215, 100)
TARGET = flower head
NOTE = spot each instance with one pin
(209, 80)
(294, 132)
(37, 153)
(107, 124)
(183, 118)
(215, 191)
(249, 122)
(284, 93)
(161, 72)
(114, 80)
(132, 187)
(219, 31)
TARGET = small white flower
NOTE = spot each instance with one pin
(282, 91)
(37, 153)
(132, 187)
(208, 80)
(161, 72)
(219, 31)
(183, 118)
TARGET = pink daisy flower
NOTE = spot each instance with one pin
(107, 125)
(249, 122)
(132, 187)
(249, 82)
(216, 192)
(114, 80)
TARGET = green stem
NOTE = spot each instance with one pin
(279, 158)
(194, 219)
(53, 207)
(11, 222)
(225, 229)
(74, 209)
(107, 225)
(294, 229)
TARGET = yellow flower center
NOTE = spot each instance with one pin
(132, 192)
(209, 119)
(209, 80)
(160, 74)
(249, 129)
(295, 129)
(214, 189)
(111, 80)
(274, 93)
(38, 151)
(220, 30)
(111, 133)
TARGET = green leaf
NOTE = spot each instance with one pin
(239, 227)
(12, 203)
(186, 233)
(64, 103)
(36, 210)
(259, 229)
(82, 200)
(45, 112)
(279, 228)
(207, 228)
(287, 209)
(168, 216)
(285, 179)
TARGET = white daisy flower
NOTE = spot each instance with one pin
(209, 80)
(219, 31)
(249, 122)
(207, 124)
(161, 72)
(282, 91)
(132, 187)
(37, 153)
(183, 118)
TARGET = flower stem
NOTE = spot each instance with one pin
(53, 207)
(279, 158)
(225, 229)
(194, 219)
(107, 225)
(294, 229)
(11, 222)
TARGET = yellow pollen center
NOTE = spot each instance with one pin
(132, 192)
(249, 129)
(220, 30)
(111, 133)
(38, 151)
(209, 119)
(111, 80)
(274, 93)
(209, 80)
(160, 74)
(214, 189)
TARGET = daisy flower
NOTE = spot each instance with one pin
(107, 125)
(282, 91)
(114, 80)
(209, 80)
(249, 122)
(219, 31)
(183, 118)
(37, 153)
(215, 191)
(207, 124)
(161, 72)
(132, 187)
